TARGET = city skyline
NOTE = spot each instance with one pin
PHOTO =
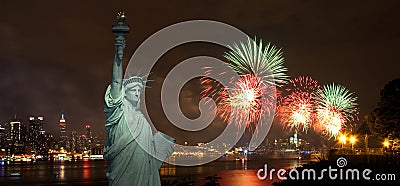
(58, 58)
(31, 140)
(26, 120)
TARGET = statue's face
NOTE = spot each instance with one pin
(132, 92)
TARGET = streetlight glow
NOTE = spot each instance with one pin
(342, 139)
(353, 139)
(386, 143)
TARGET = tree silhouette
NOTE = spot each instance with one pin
(385, 119)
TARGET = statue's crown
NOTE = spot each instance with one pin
(133, 79)
(136, 79)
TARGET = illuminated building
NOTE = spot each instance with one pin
(63, 132)
(73, 142)
(2, 138)
(34, 130)
(63, 127)
(89, 137)
(16, 137)
(45, 142)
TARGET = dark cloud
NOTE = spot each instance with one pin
(57, 55)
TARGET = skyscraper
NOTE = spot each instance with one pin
(16, 137)
(34, 130)
(63, 132)
(2, 137)
(45, 142)
(89, 137)
(63, 126)
(40, 124)
(73, 142)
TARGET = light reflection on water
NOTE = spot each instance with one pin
(241, 177)
(63, 172)
(232, 173)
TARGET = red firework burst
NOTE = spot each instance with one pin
(330, 122)
(296, 109)
(245, 102)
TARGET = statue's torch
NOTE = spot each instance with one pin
(119, 30)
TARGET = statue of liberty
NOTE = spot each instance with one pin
(134, 149)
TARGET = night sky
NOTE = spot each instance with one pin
(57, 55)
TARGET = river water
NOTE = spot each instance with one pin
(92, 172)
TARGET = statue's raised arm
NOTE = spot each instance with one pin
(119, 30)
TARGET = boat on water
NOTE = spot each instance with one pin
(15, 175)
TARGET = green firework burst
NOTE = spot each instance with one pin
(252, 58)
(339, 98)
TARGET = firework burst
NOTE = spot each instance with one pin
(252, 58)
(296, 109)
(330, 122)
(336, 107)
(247, 101)
(253, 94)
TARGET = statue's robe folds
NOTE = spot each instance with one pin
(135, 155)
